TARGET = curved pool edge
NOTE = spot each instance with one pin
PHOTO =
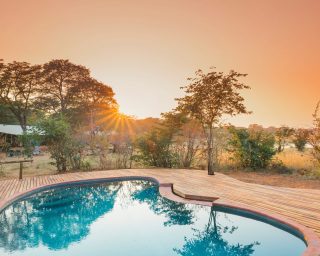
(306, 234)
(168, 191)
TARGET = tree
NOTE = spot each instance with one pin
(282, 135)
(314, 138)
(301, 138)
(61, 77)
(18, 85)
(209, 97)
(69, 89)
(252, 148)
(92, 100)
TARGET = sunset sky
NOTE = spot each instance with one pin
(145, 50)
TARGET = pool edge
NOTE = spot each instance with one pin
(167, 190)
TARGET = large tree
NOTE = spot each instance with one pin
(209, 97)
(61, 77)
(18, 86)
(69, 89)
(92, 100)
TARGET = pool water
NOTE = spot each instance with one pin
(132, 218)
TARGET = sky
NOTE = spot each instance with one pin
(146, 49)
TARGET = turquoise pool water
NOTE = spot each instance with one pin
(132, 218)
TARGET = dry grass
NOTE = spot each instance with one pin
(304, 172)
(296, 160)
(40, 166)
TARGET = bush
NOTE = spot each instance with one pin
(155, 149)
(57, 135)
(300, 139)
(252, 148)
(280, 167)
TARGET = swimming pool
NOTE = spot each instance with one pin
(132, 218)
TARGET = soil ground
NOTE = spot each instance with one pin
(274, 179)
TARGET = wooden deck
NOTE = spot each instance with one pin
(300, 205)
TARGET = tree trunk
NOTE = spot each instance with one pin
(210, 151)
(210, 162)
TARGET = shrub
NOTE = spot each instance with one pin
(57, 135)
(280, 167)
(252, 148)
(155, 149)
(314, 138)
(300, 139)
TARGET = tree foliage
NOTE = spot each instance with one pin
(6, 116)
(187, 137)
(69, 89)
(19, 82)
(301, 138)
(209, 97)
(60, 78)
(56, 87)
(282, 137)
(314, 138)
(252, 148)
(56, 133)
(154, 149)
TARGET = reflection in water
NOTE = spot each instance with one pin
(210, 241)
(83, 220)
(176, 213)
(56, 217)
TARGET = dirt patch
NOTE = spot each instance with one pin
(279, 180)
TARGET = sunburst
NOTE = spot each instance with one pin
(114, 120)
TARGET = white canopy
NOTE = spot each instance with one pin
(12, 129)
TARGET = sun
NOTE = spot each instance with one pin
(116, 121)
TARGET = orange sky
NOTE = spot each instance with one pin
(145, 50)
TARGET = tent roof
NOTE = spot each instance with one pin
(12, 129)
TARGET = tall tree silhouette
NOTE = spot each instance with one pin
(209, 97)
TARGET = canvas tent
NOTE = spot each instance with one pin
(11, 129)
(9, 136)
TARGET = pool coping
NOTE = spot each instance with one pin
(168, 191)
